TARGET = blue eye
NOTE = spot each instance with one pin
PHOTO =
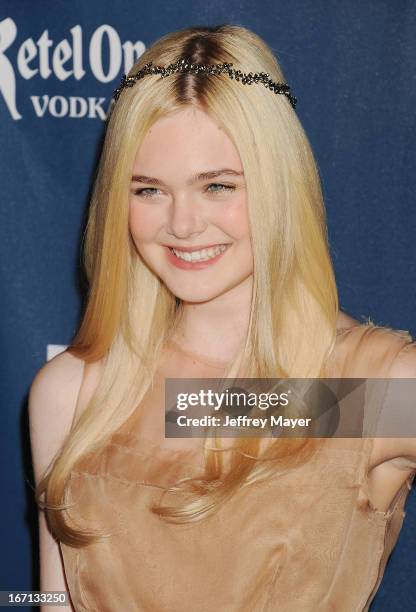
(144, 192)
(222, 187)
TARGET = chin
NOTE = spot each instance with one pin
(194, 296)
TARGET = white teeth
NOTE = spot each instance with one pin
(203, 255)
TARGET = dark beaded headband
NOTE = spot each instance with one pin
(185, 65)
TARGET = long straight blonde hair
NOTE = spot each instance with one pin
(129, 312)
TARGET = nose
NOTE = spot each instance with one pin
(184, 218)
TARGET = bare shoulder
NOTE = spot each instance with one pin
(52, 399)
(396, 351)
(404, 364)
(63, 369)
(368, 350)
(345, 321)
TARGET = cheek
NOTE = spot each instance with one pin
(143, 223)
(235, 220)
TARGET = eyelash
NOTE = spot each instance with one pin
(224, 188)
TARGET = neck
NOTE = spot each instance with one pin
(218, 327)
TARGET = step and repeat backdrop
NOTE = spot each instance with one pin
(352, 66)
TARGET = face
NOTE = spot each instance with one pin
(188, 212)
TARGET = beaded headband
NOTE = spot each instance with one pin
(185, 65)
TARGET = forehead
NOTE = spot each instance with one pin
(189, 138)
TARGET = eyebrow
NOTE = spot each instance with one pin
(202, 176)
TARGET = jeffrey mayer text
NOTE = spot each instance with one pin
(241, 421)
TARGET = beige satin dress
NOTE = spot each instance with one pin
(308, 540)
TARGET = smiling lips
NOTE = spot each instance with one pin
(191, 258)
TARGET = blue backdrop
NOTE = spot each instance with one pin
(351, 65)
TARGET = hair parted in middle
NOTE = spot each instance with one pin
(130, 313)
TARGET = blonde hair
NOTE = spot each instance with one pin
(294, 306)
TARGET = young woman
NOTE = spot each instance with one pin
(206, 252)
